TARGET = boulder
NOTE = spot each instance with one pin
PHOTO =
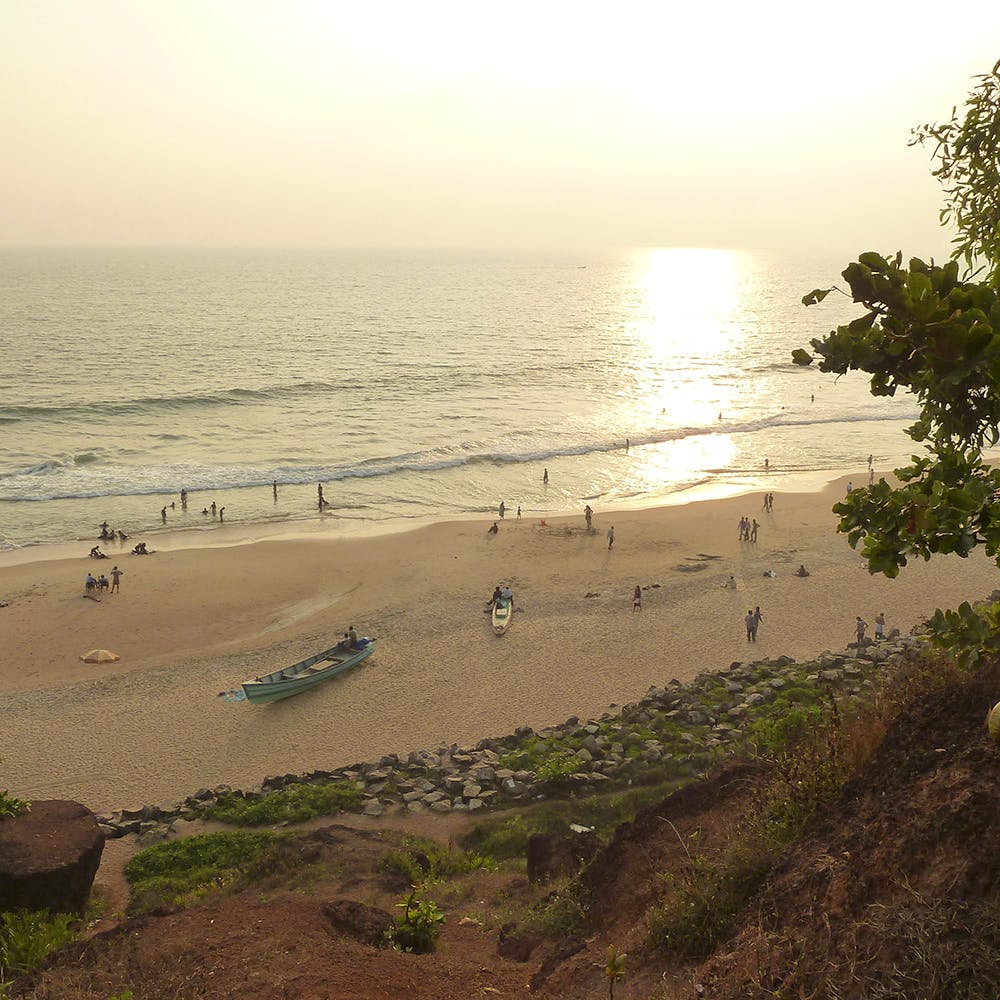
(550, 854)
(49, 857)
(367, 924)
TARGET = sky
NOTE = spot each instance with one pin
(771, 125)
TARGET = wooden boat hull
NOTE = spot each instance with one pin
(306, 674)
(503, 611)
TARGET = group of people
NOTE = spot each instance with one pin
(748, 529)
(861, 627)
(110, 535)
(102, 583)
(768, 503)
(752, 622)
(500, 594)
(502, 513)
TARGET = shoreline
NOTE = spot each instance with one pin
(193, 622)
(333, 526)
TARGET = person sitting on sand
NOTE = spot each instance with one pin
(492, 529)
(730, 584)
(802, 571)
(90, 583)
(122, 536)
(140, 550)
(96, 553)
(102, 582)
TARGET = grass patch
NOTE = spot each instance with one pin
(505, 837)
(424, 862)
(559, 915)
(26, 940)
(178, 872)
(294, 804)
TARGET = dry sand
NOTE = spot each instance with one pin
(192, 622)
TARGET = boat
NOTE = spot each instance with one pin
(503, 611)
(307, 673)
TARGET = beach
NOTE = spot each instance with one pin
(192, 622)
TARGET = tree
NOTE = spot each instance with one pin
(936, 332)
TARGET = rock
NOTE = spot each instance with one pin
(549, 854)
(373, 808)
(364, 923)
(49, 857)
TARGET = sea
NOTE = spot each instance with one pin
(411, 385)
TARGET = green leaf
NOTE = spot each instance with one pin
(815, 296)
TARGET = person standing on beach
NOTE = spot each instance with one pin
(214, 509)
(222, 513)
(753, 530)
(502, 509)
(757, 619)
(519, 512)
(860, 628)
(880, 626)
(116, 576)
(637, 599)
(545, 477)
(871, 458)
(274, 489)
(588, 515)
(163, 515)
(611, 537)
(751, 624)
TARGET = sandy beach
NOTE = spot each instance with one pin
(193, 621)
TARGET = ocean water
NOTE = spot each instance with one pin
(410, 385)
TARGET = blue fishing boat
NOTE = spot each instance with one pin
(308, 673)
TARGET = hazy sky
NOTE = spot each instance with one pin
(425, 123)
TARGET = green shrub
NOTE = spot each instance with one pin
(417, 928)
(556, 769)
(166, 874)
(560, 915)
(704, 901)
(27, 938)
(423, 861)
(11, 806)
(502, 839)
(293, 804)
